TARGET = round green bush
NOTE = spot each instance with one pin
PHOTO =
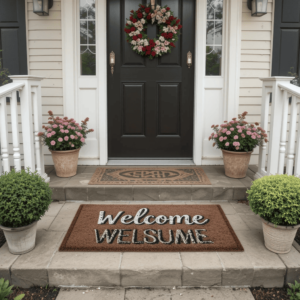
(276, 199)
(24, 198)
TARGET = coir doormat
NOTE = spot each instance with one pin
(150, 176)
(161, 228)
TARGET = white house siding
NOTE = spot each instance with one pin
(256, 61)
(44, 41)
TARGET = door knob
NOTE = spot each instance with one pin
(112, 61)
(189, 59)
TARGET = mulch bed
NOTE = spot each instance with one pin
(2, 238)
(36, 293)
(270, 294)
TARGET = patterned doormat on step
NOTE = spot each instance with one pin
(143, 228)
(149, 176)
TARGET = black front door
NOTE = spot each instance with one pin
(150, 102)
(286, 52)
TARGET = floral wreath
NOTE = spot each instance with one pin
(168, 30)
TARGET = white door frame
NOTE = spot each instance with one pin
(232, 52)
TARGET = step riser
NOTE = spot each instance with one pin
(109, 193)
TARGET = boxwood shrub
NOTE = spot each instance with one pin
(24, 198)
(276, 199)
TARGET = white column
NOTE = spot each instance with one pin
(292, 138)
(15, 131)
(4, 135)
(282, 148)
(297, 157)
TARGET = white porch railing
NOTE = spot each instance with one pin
(21, 121)
(282, 154)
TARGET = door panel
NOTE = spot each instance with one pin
(286, 38)
(150, 102)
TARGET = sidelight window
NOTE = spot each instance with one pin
(214, 37)
(87, 37)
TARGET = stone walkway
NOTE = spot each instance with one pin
(256, 266)
(159, 294)
(221, 188)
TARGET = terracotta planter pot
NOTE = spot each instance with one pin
(279, 239)
(65, 162)
(236, 163)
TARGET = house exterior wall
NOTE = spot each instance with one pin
(256, 61)
(44, 36)
(44, 42)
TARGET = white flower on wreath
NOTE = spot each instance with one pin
(164, 20)
(168, 14)
(131, 34)
(157, 7)
(146, 43)
(137, 32)
(135, 47)
(161, 38)
(163, 10)
(129, 22)
(163, 49)
(157, 42)
(136, 24)
(165, 29)
(173, 39)
(133, 42)
(167, 43)
(140, 48)
(140, 28)
(175, 27)
(143, 21)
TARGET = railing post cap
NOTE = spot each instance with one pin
(26, 77)
(277, 78)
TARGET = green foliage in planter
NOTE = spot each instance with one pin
(276, 199)
(294, 291)
(24, 198)
(6, 290)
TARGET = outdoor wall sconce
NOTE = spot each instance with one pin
(41, 7)
(258, 7)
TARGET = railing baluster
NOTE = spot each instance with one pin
(4, 135)
(292, 138)
(282, 148)
(15, 131)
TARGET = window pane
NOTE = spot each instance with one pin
(213, 60)
(88, 60)
(87, 37)
(214, 37)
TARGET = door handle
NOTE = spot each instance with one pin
(189, 59)
(112, 61)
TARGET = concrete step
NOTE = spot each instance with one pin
(45, 265)
(77, 188)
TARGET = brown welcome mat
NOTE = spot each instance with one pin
(144, 228)
(150, 176)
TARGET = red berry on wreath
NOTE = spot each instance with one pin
(148, 17)
(148, 52)
(177, 21)
(172, 44)
(144, 49)
(140, 36)
(153, 53)
(168, 8)
(132, 28)
(168, 23)
(134, 38)
(147, 10)
(179, 26)
(134, 20)
(140, 15)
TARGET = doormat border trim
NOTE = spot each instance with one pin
(63, 247)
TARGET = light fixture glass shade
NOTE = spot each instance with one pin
(41, 7)
(259, 7)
